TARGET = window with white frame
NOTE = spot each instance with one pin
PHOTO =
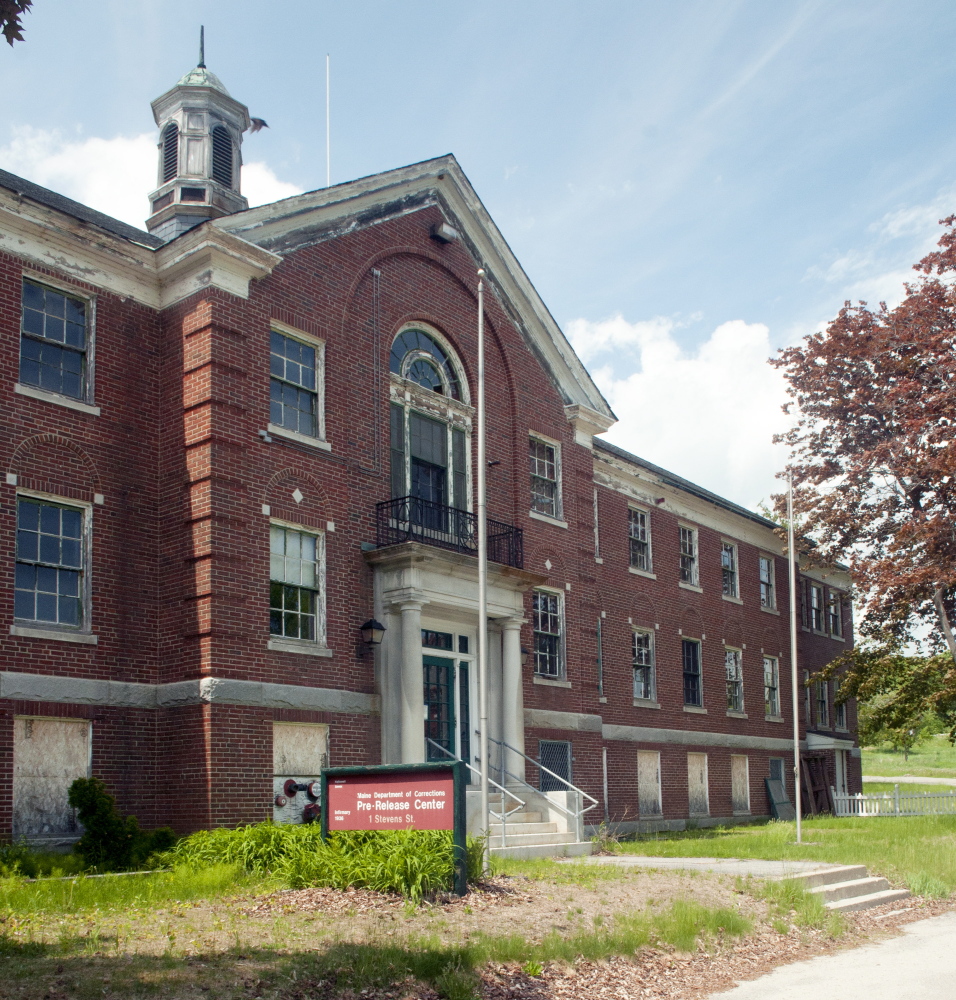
(733, 668)
(544, 462)
(834, 614)
(688, 555)
(690, 661)
(295, 393)
(54, 339)
(807, 698)
(822, 703)
(839, 707)
(768, 589)
(771, 686)
(296, 584)
(815, 607)
(548, 625)
(728, 569)
(642, 645)
(51, 563)
(639, 538)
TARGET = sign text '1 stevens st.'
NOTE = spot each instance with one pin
(397, 801)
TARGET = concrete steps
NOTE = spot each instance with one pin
(844, 888)
(528, 833)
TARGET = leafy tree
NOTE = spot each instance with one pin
(874, 450)
(10, 24)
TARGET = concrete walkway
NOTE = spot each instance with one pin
(909, 780)
(722, 866)
(918, 965)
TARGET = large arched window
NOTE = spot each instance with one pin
(222, 155)
(417, 356)
(429, 442)
(170, 151)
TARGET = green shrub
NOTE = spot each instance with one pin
(111, 841)
(414, 863)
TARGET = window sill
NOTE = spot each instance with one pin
(57, 635)
(301, 646)
(599, 560)
(837, 638)
(312, 442)
(741, 812)
(55, 397)
(642, 572)
(602, 700)
(695, 709)
(731, 714)
(769, 611)
(548, 682)
(646, 703)
(690, 586)
(733, 600)
(547, 518)
(840, 729)
(773, 718)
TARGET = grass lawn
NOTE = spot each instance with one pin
(918, 852)
(936, 758)
(881, 787)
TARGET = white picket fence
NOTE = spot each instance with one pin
(896, 803)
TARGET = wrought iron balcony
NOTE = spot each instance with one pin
(409, 519)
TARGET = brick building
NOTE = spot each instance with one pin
(232, 440)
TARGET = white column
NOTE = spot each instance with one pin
(412, 684)
(390, 686)
(512, 695)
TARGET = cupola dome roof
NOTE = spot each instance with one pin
(201, 77)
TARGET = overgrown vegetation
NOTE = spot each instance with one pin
(916, 851)
(791, 903)
(934, 758)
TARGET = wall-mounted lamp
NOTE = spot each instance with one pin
(525, 656)
(372, 632)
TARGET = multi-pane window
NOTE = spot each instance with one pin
(295, 574)
(735, 680)
(543, 461)
(688, 555)
(806, 697)
(639, 537)
(839, 708)
(768, 596)
(834, 616)
(822, 702)
(548, 652)
(771, 685)
(50, 557)
(53, 341)
(816, 607)
(294, 398)
(643, 655)
(690, 657)
(728, 569)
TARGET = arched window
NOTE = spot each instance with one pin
(418, 357)
(170, 151)
(222, 155)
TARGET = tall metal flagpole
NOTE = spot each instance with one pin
(328, 128)
(482, 569)
(791, 549)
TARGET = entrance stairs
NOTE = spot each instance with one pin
(538, 830)
(849, 887)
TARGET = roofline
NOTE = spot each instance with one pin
(23, 188)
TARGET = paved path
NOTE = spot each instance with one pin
(724, 866)
(909, 780)
(918, 965)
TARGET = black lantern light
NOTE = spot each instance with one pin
(372, 632)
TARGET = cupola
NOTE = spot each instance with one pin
(200, 153)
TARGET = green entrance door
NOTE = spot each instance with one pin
(447, 715)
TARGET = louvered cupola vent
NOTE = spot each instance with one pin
(222, 156)
(170, 151)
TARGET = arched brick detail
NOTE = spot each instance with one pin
(691, 623)
(733, 631)
(52, 463)
(313, 509)
(644, 613)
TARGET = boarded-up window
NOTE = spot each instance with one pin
(697, 796)
(740, 783)
(299, 751)
(649, 783)
(48, 756)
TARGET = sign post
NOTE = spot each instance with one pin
(400, 797)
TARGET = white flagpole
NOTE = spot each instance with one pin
(482, 570)
(791, 548)
(328, 127)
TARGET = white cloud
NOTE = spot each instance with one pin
(112, 175)
(708, 415)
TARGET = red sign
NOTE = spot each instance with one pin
(396, 801)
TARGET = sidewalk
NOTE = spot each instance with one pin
(918, 965)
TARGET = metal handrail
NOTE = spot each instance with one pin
(541, 767)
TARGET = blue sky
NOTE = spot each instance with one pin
(690, 185)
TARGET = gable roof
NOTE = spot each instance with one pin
(316, 216)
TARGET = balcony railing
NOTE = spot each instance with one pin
(409, 519)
